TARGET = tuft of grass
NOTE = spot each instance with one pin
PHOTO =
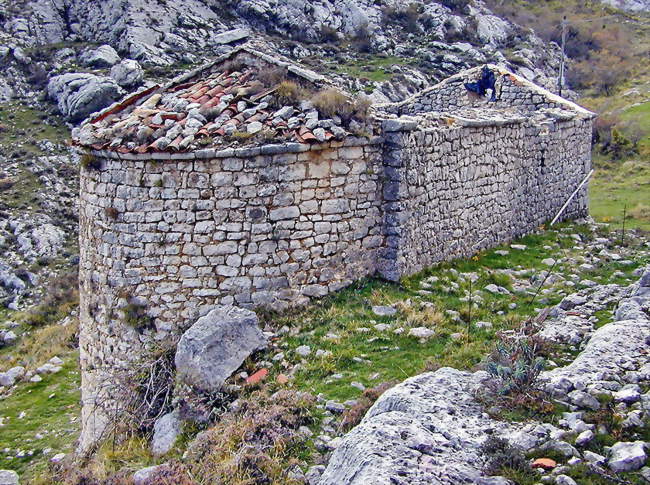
(332, 102)
(90, 162)
(289, 93)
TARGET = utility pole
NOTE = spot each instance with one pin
(560, 80)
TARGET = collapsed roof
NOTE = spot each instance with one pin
(244, 95)
(247, 97)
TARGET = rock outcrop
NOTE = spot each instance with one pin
(428, 430)
(128, 73)
(78, 95)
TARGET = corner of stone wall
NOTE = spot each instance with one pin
(395, 132)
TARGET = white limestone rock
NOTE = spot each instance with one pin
(426, 430)
(78, 94)
(128, 73)
(165, 432)
(9, 477)
(216, 346)
(627, 457)
(101, 57)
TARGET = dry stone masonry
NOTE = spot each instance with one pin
(165, 237)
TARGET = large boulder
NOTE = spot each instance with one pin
(127, 73)
(101, 57)
(627, 457)
(216, 346)
(78, 95)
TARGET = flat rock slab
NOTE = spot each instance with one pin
(216, 346)
(427, 430)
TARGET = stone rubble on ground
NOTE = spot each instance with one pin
(428, 429)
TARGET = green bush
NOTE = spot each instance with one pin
(515, 366)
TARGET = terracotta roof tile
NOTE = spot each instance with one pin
(173, 118)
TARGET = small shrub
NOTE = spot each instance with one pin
(135, 315)
(332, 102)
(406, 15)
(272, 76)
(6, 183)
(289, 93)
(61, 297)
(620, 146)
(362, 39)
(501, 456)
(329, 35)
(515, 365)
(253, 443)
(353, 416)
(456, 5)
(232, 66)
(641, 212)
(361, 107)
(90, 162)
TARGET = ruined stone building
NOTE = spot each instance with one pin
(238, 183)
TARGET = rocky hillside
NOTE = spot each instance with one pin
(61, 60)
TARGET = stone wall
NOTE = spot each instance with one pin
(511, 92)
(165, 237)
(451, 192)
(252, 227)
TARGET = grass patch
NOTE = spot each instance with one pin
(51, 420)
(376, 69)
(616, 186)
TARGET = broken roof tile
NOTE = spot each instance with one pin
(216, 104)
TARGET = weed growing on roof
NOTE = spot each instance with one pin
(332, 102)
(90, 162)
(289, 93)
(272, 76)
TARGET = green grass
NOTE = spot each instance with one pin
(376, 69)
(23, 127)
(52, 409)
(386, 356)
(369, 357)
(621, 185)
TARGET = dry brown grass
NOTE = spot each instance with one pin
(332, 102)
(254, 444)
(353, 416)
(641, 212)
(419, 315)
(44, 343)
(289, 93)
